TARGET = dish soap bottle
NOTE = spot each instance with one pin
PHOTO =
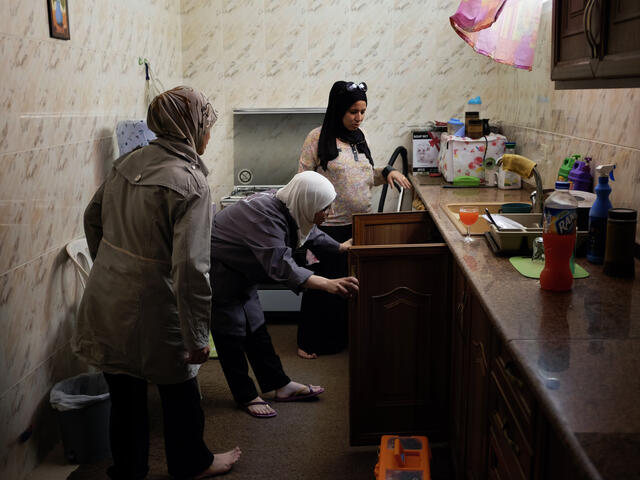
(563, 171)
(559, 237)
(598, 215)
(580, 175)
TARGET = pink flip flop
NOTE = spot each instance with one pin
(303, 394)
(246, 408)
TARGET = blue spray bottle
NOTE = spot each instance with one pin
(598, 215)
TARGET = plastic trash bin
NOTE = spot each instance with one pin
(83, 408)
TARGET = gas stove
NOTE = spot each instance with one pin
(243, 191)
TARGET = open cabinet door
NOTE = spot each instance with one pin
(398, 328)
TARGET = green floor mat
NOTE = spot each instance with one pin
(213, 353)
(530, 269)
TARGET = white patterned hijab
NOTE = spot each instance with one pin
(305, 195)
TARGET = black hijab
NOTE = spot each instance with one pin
(340, 100)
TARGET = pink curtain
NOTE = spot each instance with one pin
(505, 30)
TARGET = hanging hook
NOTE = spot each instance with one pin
(146, 66)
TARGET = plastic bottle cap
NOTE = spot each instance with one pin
(623, 214)
(562, 185)
(509, 144)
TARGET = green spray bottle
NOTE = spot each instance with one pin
(567, 165)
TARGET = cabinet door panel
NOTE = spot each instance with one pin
(398, 360)
(477, 406)
(459, 355)
(621, 48)
(394, 228)
(571, 51)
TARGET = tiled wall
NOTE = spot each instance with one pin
(59, 103)
(550, 124)
(255, 53)
(288, 53)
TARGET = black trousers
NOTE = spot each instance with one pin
(183, 420)
(323, 327)
(233, 352)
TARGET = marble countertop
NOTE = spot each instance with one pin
(580, 349)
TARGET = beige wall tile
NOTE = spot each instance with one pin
(59, 103)
(285, 30)
(243, 31)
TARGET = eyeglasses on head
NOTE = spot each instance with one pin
(352, 86)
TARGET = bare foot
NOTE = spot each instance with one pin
(308, 356)
(222, 463)
(293, 389)
(259, 409)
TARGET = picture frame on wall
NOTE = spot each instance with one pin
(58, 19)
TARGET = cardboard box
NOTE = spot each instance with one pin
(426, 145)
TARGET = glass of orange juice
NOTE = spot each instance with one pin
(469, 216)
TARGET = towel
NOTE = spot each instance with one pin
(132, 134)
(505, 30)
(518, 164)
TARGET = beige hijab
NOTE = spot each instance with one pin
(306, 194)
(180, 117)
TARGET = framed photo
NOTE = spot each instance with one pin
(58, 18)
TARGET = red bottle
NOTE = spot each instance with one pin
(559, 237)
(556, 275)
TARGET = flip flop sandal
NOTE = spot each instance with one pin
(246, 408)
(301, 395)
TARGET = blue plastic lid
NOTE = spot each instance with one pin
(562, 185)
(455, 121)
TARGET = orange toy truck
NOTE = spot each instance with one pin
(403, 458)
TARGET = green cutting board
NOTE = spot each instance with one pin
(530, 269)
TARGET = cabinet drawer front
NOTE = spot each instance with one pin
(498, 468)
(515, 447)
(516, 392)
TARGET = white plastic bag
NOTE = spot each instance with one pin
(79, 392)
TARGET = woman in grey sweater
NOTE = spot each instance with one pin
(251, 243)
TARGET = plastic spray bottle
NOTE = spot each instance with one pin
(598, 215)
(563, 171)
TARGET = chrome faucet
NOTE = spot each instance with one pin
(537, 199)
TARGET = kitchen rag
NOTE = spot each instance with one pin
(518, 164)
(531, 269)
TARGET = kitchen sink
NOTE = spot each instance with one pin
(478, 228)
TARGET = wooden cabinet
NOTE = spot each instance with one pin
(596, 43)
(398, 328)
(459, 370)
(477, 405)
(470, 356)
(496, 427)
(512, 417)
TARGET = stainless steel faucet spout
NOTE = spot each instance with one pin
(538, 200)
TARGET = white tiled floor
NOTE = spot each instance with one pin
(54, 467)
